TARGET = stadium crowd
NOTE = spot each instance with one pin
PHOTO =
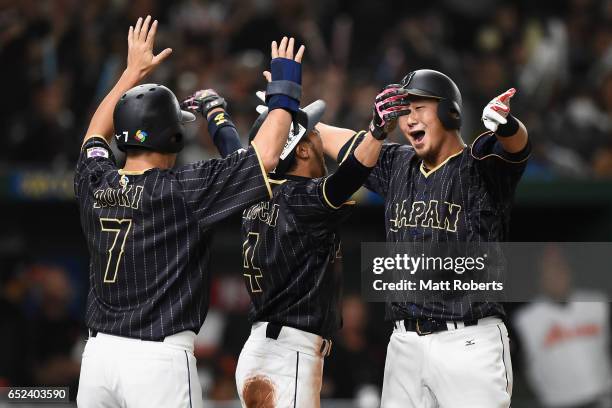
(59, 57)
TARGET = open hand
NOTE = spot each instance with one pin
(284, 50)
(141, 38)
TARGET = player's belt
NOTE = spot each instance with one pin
(423, 327)
(273, 330)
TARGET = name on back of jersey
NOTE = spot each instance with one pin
(262, 212)
(128, 196)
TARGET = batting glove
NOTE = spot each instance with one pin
(390, 104)
(203, 101)
(496, 112)
(261, 95)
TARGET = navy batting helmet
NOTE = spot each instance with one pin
(149, 117)
(306, 118)
(433, 84)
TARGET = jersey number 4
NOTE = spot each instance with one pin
(120, 229)
(248, 253)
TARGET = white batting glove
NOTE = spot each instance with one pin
(496, 111)
(262, 96)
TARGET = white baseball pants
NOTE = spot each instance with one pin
(130, 373)
(285, 373)
(468, 367)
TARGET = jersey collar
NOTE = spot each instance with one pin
(428, 173)
(296, 178)
(133, 172)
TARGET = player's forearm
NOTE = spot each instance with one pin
(223, 132)
(353, 171)
(102, 121)
(333, 138)
(346, 180)
(368, 150)
(272, 137)
(515, 140)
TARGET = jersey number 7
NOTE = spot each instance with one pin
(120, 228)
(248, 254)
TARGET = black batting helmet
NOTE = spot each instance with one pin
(149, 117)
(306, 118)
(433, 84)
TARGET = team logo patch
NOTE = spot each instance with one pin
(97, 152)
(141, 135)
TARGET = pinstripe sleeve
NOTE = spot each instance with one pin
(218, 188)
(380, 177)
(311, 205)
(95, 159)
(501, 169)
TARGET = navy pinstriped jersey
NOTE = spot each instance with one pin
(467, 198)
(292, 258)
(147, 237)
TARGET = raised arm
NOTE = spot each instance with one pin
(334, 138)
(510, 132)
(283, 100)
(140, 62)
(389, 105)
(221, 129)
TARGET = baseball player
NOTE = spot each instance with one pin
(446, 352)
(147, 228)
(291, 255)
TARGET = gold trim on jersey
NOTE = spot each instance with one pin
(87, 138)
(263, 169)
(272, 181)
(352, 143)
(428, 173)
(333, 207)
(123, 172)
(496, 155)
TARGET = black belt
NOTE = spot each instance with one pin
(423, 327)
(273, 331)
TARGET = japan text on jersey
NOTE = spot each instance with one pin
(467, 198)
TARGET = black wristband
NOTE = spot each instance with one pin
(509, 128)
(218, 120)
(377, 133)
(347, 179)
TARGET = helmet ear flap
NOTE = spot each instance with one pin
(449, 114)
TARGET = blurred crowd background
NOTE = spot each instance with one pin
(60, 57)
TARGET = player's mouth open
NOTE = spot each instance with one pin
(417, 135)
